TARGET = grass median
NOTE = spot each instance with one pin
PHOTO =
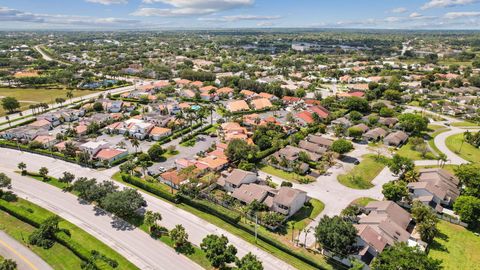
(458, 145)
(361, 176)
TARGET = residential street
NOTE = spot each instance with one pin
(54, 198)
(24, 257)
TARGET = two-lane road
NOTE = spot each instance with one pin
(24, 257)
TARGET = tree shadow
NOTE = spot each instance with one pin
(121, 224)
(436, 245)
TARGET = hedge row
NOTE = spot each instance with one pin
(196, 133)
(205, 206)
(44, 152)
(25, 216)
(178, 134)
(20, 124)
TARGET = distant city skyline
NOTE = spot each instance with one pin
(203, 14)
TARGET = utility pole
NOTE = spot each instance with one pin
(256, 223)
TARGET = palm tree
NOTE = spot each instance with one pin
(443, 159)
(306, 231)
(179, 117)
(70, 95)
(135, 143)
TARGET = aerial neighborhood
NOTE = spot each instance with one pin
(239, 149)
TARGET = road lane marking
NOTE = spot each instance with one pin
(28, 262)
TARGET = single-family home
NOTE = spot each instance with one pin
(375, 134)
(287, 201)
(110, 155)
(260, 104)
(231, 181)
(237, 106)
(92, 147)
(396, 138)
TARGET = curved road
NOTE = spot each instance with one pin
(44, 55)
(143, 251)
(24, 257)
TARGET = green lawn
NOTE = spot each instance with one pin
(363, 201)
(169, 154)
(28, 96)
(468, 152)
(464, 124)
(407, 151)
(78, 235)
(306, 214)
(361, 176)
(289, 176)
(456, 246)
(58, 256)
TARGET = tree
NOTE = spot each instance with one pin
(44, 236)
(123, 203)
(336, 235)
(43, 172)
(469, 176)
(5, 181)
(355, 132)
(426, 221)
(468, 208)
(155, 152)
(127, 167)
(22, 167)
(395, 191)
(67, 177)
(239, 150)
(392, 95)
(217, 250)
(401, 256)
(8, 264)
(342, 146)
(97, 106)
(413, 122)
(357, 104)
(179, 236)
(151, 218)
(249, 262)
(10, 104)
(135, 143)
(400, 165)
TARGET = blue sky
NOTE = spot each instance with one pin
(193, 14)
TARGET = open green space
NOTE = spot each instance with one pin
(289, 176)
(465, 124)
(465, 150)
(306, 214)
(58, 255)
(361, 176)
(456, 246)
(28, 96)
(407, 150)
(363, 201)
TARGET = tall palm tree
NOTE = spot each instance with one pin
(70, 95)
(135, 143)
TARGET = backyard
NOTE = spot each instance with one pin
(465, 150)
(289, 176)
(28, 96)
(456, 246)
(361, 176)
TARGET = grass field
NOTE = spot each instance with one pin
(363, 201)
(361, 176)
(464, 124)
(457, 247)
(408, 151)
(468, 152)
(289, 176)
(28, 96)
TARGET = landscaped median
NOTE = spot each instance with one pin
(361, 176)
(20, 218)
(230, 221)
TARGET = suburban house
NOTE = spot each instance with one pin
(93, 147)
(231, 181)
(173, 179)
(261, 104)
(233, 130)
(375, 134)
(110, 155)
(253, 192)
(248, 94)
(396, 138)
(237, 106)
(320, 141)
(304, 118)
(46, 140)
(156, 133)
(435, 187)
(287, 201)
(385, 224)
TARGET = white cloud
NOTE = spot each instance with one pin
(235, 18)
(456, 15)
(447, 3)
(191, 7)
(415, 15)
(108, 2)
(399, 10)
(14, 15)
